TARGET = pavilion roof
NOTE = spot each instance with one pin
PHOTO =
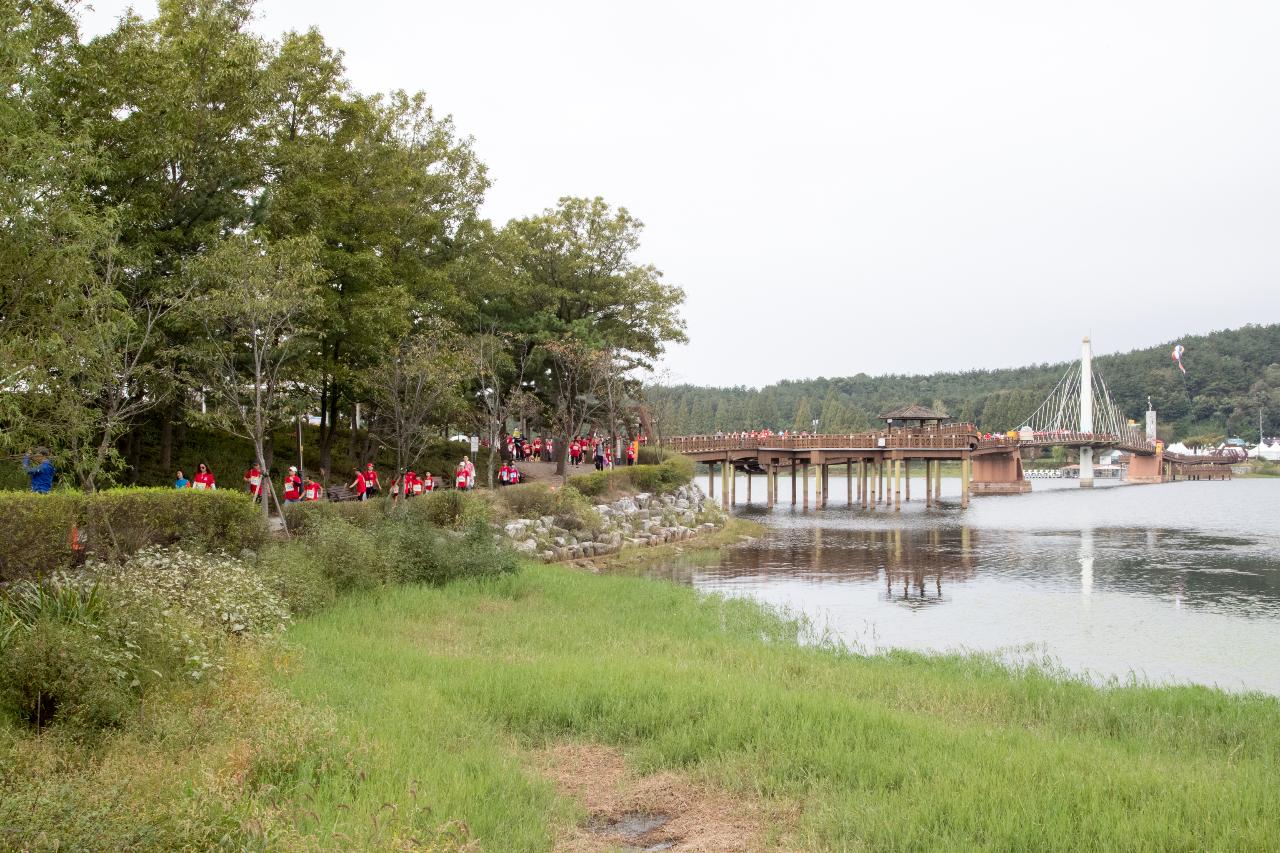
(915, 412)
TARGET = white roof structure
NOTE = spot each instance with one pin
(1267, 451)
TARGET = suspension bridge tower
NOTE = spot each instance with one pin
(1086, 412)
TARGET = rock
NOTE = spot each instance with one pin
(642, 499)
(560, 541)
(625, 505)
(515, 529)
(528, 546)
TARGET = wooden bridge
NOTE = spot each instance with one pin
(878, 463)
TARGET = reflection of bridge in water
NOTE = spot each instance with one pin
(1078, 414)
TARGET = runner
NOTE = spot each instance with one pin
(253, 480)
(292, 486)
(180, 481)
(428, 482)
(311, 491)
(371, 480)
(359, 484)
(203, 478)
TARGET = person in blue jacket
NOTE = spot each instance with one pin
(41, 473)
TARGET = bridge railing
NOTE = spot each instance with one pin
(949, 437)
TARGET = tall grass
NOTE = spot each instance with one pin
(445, 686)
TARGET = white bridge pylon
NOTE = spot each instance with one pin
(1080, 407)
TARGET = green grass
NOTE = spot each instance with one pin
(445, 689)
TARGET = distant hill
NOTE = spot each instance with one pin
(1230, 374)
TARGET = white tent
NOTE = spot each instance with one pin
(1269, 452)
(1178, 447)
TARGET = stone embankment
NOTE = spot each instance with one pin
(639, 520)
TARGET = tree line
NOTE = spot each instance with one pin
(1231, 376)
(204, 226)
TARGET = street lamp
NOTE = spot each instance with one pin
(815, 426)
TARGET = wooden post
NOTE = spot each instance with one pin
(748, 488)
(848, 482)
(928, 482)
(711, 479)
(964, 480)
(733, 486)
(897, 485)
(906, 475)
(724, 475)
(937, 481)
(806, 485)
(793, 481)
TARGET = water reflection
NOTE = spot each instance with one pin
(1119, 581)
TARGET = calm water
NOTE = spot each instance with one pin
(1170, 583)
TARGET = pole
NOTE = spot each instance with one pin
(906, 475)
(1086, 412)
(897, 485)
(711, 480)
(793, 481)
(806, 485)
(964, 481)
(848, 482)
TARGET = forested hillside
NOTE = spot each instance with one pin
(1230, 375)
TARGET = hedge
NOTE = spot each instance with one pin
(35, 530)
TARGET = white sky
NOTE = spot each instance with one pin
(873, 186)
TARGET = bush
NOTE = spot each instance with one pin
(348, 556)
(527, 500)
(364, 514)
(674, 472)
(299, 580)
(214, 590)
(425, 554)
(77, 652)
(450, 508)
(35, 530)
(66, 671)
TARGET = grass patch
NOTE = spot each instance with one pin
(446, 686)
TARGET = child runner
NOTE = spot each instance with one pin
(311, 491)
(253, 480)
(360, 485)
(428, 482)
(180, 481)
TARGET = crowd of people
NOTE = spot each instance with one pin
(365, 483)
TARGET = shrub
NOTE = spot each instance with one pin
(364, 514)
(674, 472)
(348, 556)
(527, 500)
(450, 508)
(425, 554)
(66, 671)
(35, 531)
(573, 510)
(300, 581)
(113, 524)
(214, 590)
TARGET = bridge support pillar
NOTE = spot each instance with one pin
(826, 484)
(726, 482)
(965, 468)
(748, 488)
(999, 474)
(711, 480)
(906, 476)
(805, 484)
(1145, 469)
(928, 482)
(897, 485)
(937, 481)
(1086, 467)
(793, 482)
(848, 482)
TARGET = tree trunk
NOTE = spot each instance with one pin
(562, 454)
(166, 438)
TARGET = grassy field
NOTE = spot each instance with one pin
(447, 692)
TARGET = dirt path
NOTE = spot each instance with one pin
(663, 811)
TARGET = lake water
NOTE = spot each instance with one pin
(1170, 583)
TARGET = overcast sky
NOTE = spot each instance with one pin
(874, 186)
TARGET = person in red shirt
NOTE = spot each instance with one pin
(537, 448)
(412, 485)
(253, 480)
(371, 481)
(359, 484)
(311, 491)
(292, 486)
(427, 482)
(203, 478)
(631, 454)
